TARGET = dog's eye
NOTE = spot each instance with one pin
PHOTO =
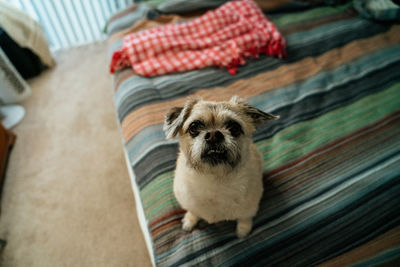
(234, 127)
(195, 127)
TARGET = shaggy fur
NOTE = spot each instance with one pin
(219, 171)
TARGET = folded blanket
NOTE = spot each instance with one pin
(25, 31)
(223, 38)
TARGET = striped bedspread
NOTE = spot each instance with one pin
(332, 162)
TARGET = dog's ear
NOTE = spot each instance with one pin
(176, 117)
(257, 116)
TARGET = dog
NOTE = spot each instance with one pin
(218, 175)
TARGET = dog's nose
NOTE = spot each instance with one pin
(214, 136)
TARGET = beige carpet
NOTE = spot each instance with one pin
(67, 198)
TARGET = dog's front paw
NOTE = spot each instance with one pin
(243, 227)
(189, 221)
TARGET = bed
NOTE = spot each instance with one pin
(331, 163)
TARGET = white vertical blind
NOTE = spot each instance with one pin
(71, 22)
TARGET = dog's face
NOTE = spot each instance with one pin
(214, 134)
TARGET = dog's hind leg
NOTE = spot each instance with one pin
(189, 221)
(243, 227)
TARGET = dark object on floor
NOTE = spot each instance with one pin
(3, 243)
(24, 60)
(7, 140)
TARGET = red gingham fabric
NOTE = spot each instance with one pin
(223, 37)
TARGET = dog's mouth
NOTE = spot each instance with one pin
(215, 156)
(216, 152)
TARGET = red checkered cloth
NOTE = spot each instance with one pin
(222, 37)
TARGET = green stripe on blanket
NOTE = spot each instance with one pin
(304, 137)
(309, 15)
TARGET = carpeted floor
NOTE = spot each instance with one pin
(67, 198)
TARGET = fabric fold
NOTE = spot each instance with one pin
(224, 37)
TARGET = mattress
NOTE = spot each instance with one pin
(331, 163)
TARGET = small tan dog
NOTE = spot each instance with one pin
(218, 173)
